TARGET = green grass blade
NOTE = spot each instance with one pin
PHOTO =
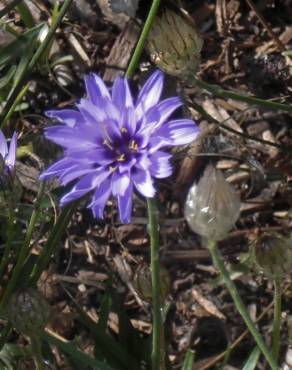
(252, 361)
(189, 360)
(26, 15)
(74, 353)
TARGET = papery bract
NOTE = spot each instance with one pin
(212, 206)
(113, 144)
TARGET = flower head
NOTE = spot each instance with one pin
(273, 254)
(113, 144)
(7, 156)
(212, 206)
(174, 45)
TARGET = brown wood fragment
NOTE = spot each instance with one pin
(121, 52)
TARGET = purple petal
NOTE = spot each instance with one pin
(128, 121)
(101, 155)
(160, 164)
(92, 114)
(149, 94)
(73, 173)
(179, 132)
(95, 88)
(68, 116)
(126, 166)
(68, 137)
(56, 168)
(100, 198)
(85, 185)
(120, 183)
(121, 94)
(125, 204)
(11, 156)
(3, 145)
(98, 115)
(161, 112)
(143, 182)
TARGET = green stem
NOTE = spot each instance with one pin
(37, 352)
(10, 234)
(157, 331)
(28, 69)
(24, 250)
(15, 103)
(26, 15)
(277, 318)
(140, 44)
(219, 264)
(156, 304)
(52, 242)
(218, 91)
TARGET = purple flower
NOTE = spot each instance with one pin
(7, 156)
(113, 144)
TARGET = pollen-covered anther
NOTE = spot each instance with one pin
(121, 158)
(133, 146)
(107, 144)
(124, 130)
(112, 168)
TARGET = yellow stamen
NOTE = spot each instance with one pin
(112, 168)
(106, 143)
(121, 158)
(133, 145)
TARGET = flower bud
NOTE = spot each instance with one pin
(28, 311)
(174, 45)
(212, 206)
(273, 255)
(142, 283)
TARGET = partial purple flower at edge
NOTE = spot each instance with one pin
(7, 156)
(114, 145)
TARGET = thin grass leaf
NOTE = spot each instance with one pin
(10, 354)
(74, 353)
(4, 81)
(26, 15)
(253, 359)
(110, 349)
(189, 360)
(105, 307)
(18, 47)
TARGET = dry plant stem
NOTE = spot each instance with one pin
(219, 264)
(211, 119)
(275, 38)
(9, 7)
(218, 91)
(277, 318)
(239, 339)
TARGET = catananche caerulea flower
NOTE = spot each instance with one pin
(7, 156)
(113, 144)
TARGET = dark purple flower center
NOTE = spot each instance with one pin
(123, 150)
